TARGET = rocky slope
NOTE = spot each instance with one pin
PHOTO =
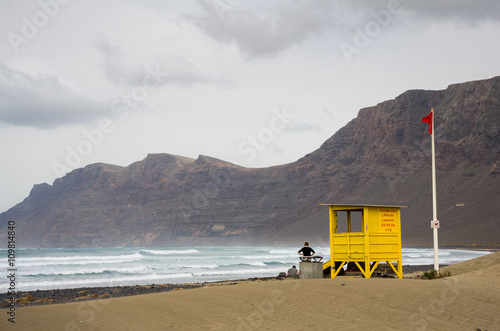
(380, 157)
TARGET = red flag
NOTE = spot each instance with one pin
(428, 119)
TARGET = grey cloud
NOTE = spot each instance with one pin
(302, 127)
(121, 70)
(41, 100)
(114, 66)
(268, 32)
(276, 148)
(457, 11)
(264, 34)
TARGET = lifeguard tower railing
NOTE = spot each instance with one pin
(376, 239)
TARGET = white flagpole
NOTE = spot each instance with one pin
(435, 222)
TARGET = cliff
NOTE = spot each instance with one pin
(380, 157)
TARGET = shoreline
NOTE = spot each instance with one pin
(80, 294)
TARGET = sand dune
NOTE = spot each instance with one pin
(468, 300)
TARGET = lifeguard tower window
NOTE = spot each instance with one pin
(355, 221)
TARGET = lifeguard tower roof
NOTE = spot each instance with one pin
(360, 205)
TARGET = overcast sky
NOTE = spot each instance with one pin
(257, 83)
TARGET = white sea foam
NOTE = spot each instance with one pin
(71, 259)
(268, 257)
(85, 271)
(260, 264)
(201, 266)
(248, 272)
(283, 251)
(170, 252)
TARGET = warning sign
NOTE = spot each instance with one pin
(388, 219)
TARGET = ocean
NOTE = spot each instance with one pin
(51, 268)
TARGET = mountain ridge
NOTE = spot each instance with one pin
(380, 157)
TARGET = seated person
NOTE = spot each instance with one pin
(293, 272)
(306, 251)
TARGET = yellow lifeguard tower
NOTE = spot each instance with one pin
(372, 234)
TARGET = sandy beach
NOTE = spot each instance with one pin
(467, 300)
